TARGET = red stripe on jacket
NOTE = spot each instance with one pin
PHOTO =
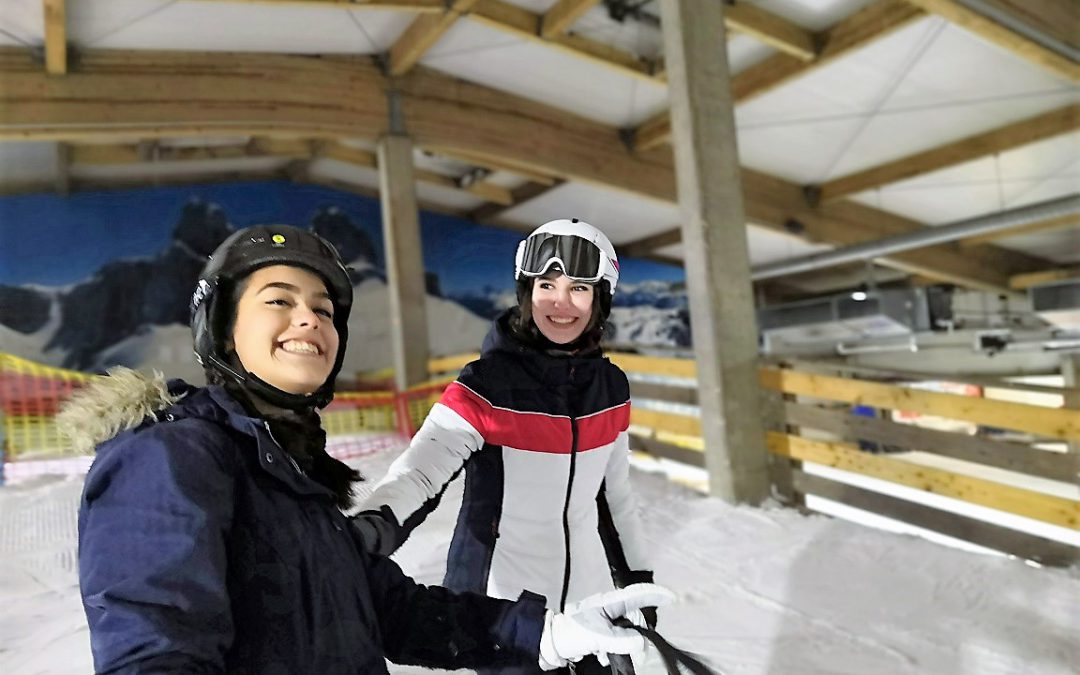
(536, 432)
(601, 428)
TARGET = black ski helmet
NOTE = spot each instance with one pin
(239, 255)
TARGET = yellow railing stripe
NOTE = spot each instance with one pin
(1053, 422)
(1027, 503)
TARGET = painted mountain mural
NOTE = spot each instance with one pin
(124, 305)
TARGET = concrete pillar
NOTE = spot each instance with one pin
(1070, 370)
(714, 237)
(404, 260)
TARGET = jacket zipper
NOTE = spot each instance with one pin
(566, 506)
(283, 450)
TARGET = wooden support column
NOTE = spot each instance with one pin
(714, 232)
(404, 259)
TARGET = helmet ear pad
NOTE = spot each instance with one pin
(221, 313)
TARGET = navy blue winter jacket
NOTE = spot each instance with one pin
(203, 548)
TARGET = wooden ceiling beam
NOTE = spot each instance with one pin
(55, 37)
(373, 193)
(246, 94)
(497, 165)
(1019, 42)
(81, 184)
(1022, 282)
(777, 32)
(422, 34)
(101, 154)
(256, 93)
(778, 205)
(490, 213)
(1055, 19)
(1071, 220)
(648, 245)
(524, 24)
(367, 159)
(562, 15)
(432, 6)
(1017, 134)
(868, 24)
(97, 154)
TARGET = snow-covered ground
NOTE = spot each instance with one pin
(762, 590)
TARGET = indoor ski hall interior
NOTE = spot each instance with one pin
(848, 235)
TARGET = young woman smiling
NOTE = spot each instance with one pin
(211, 536)
(539, 425)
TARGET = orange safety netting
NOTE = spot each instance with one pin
(31, 394)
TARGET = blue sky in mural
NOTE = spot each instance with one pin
(50, 240)
(53, 241)
(467, 256)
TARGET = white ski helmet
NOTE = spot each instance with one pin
(582, 252)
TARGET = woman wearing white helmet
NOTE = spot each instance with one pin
(539, 425)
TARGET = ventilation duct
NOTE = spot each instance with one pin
(922, 237)
(848, 317)
(1058, 303)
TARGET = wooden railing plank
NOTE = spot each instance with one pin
(1052, 422)
(1001, 454)
(658, 448)
(654, 365)
(875, 373)
(446, 364)
(683, 425)
(1014, 542)
(1047, 508)
(662, 392)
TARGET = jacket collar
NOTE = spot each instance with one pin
(214, 402)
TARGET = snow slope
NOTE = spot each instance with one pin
(762, 590)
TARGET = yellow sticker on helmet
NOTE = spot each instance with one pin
(278, 239)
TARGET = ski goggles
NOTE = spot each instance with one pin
(579, 259)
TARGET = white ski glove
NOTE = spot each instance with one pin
(585, 627)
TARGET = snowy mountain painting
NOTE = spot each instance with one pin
(120, 297)
(652, 313)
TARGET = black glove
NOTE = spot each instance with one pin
(378, 530)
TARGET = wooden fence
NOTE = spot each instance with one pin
(809, 418)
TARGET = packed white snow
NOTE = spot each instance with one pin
(762, 590)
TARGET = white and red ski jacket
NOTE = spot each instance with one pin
(547, 503)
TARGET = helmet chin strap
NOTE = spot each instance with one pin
(255, 385)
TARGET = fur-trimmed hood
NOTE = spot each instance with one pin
(126, 399)
(110, 405)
